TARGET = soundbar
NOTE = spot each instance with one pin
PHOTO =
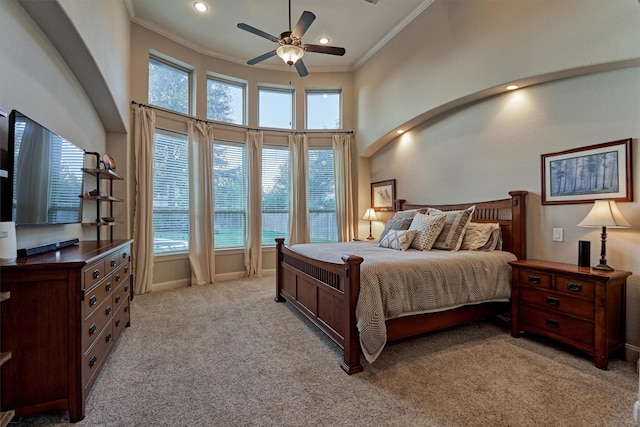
(40, 249)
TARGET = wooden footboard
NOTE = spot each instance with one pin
(327, 293)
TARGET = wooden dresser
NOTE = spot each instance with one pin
(578, 306)
(66, 311)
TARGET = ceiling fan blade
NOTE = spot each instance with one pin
(303, 24)
(261, 58)
(258, 32)
(331, 50)
(302, 70)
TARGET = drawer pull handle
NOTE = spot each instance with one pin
(93, 300)
(117, 323)
(553, 301)
(107, 311)
(93, 361)
(113, 263)
(575, 287)
(117, 299)
(534, 280)
(92, 329)
(552, 323)
(108, 286)
(117, 277)
(108, 337)
(96, 274)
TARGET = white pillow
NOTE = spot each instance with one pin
(398, 239)
(428, 229)
(478, 235)
(450, 239)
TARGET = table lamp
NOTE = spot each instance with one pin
(370, 215)
(604, 213)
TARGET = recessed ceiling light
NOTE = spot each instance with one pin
(512, 87)
(400, 131)
(200, 6)
(323, 40)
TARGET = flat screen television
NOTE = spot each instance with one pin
(45, 175)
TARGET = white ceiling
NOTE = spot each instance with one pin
(358, 26)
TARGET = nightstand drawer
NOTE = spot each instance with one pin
(553, 301)
(551, 324)
(534, 278)
(572, 286)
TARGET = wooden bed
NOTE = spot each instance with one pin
(326, 293)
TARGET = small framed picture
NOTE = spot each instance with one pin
(383, 195)
(585, 174)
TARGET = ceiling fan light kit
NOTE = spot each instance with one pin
(291, 49)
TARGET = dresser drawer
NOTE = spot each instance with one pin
(534, 278)
(121, 273)
(94, 297)
(553, 324)
(121, 294)
(573, 286)
(94, 357)
(94, 324)
(111, 263)
(121, 319)
(554, 301)
(123, 255)
(93, 274)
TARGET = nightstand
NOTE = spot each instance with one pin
(578, 306)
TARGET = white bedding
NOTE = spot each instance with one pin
(396, 283)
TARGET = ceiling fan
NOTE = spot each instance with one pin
(291, 48)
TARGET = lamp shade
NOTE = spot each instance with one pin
(370, 215)
(289, 53)
(8, 248)
(604, 213)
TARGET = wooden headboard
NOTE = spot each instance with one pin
(509, 213)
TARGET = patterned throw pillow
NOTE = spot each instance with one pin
(428, 229)
(396, 224)
(450, 238)
(478, 236)
(398, 239)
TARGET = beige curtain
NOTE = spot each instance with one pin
(298, 210)
(342, 173)
(142, 250)
(253, 239)
(201, 244)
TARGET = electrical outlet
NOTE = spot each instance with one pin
(558, 235)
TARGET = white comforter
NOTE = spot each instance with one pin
(395, 283)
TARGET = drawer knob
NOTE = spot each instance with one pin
(126, 309)
(553, 301)
(124, 255)
(107, 311)
(93, 300)
(117, 277)
(117, 299)
(108, 337)
(117, 323)
(113, 263)
(92, 329)
(93, 361)
(552, 323)
(108, 286)
(126, 270)
(575, 287)
(534, 280)
(126, 288)
(96, 274)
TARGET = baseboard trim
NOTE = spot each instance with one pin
(631, 352)
(183, 283)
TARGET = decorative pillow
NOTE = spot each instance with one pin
(427, 228)
(398, 239)
(409, 213)
(479, 235)
(396, 224)
(450, 238)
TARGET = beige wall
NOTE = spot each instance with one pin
(173, 270)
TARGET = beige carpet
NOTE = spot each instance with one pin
(228, 355)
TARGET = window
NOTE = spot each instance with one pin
(225, 101)
(169, 86)
(170, 193)
(230, 193)
(323, 224)
(275, 108)
(323, 109)
(275, 193)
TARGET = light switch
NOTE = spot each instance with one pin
(558, 235)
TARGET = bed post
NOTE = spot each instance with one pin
(279, 259)
(351, 363)
(519, 223)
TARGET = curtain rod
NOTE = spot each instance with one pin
(186, 116)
